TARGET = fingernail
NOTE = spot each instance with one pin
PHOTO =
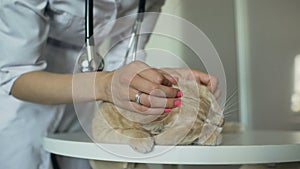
(179, 94)
(177, 103)
(167, 110)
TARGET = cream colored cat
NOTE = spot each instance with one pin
(198, 120)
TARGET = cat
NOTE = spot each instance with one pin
(198, 121)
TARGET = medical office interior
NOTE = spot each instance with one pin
(258, 42)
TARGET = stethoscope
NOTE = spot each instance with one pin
(92, 60)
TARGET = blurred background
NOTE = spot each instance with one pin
(257, 41)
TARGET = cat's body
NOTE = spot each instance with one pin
(198, 120)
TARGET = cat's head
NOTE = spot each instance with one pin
(200, 104)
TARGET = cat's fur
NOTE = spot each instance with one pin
(199, 120)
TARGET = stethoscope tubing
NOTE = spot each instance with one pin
(89, 21)
(89, 29)
(134, 39)
(89, 37)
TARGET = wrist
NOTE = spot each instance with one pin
(103, 85)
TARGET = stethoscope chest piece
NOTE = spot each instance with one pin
(95, 64)
(90, 60)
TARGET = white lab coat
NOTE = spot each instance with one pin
(48, 35)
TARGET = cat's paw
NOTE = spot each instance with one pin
(154, 128)
(142, 145)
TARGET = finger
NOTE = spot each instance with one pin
(172, 79)
(156, 76)
(144, 85)
(202, 77)
(217, 93)
(174, 73)
(210, 81)
(146, 110)
(155, 102)
(213, 84)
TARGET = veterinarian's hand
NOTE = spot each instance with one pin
(192, 74)
(157, 94)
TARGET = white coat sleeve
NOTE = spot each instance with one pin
(23, 33)
(122, 30)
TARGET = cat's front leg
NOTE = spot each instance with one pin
(139, 140)
(122, 132)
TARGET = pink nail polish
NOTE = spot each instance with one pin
(179, 94)
(177, 103)
(167, 110)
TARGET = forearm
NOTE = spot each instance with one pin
(51, 88)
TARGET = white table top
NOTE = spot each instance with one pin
(238, 148)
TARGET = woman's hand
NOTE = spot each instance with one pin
(192, 74)
(155, 87)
